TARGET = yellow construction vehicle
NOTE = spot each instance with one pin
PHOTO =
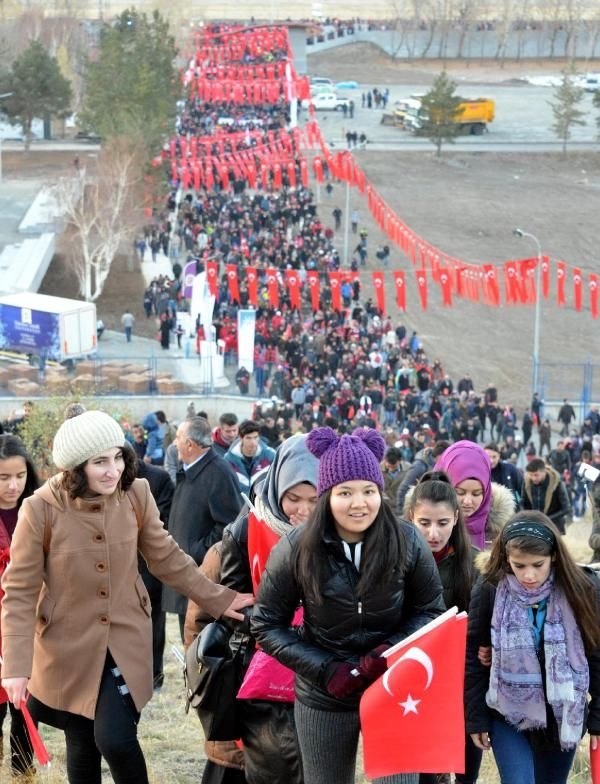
(473, 115)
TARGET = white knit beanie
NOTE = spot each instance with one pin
(84, 436)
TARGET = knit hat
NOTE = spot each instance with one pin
(342, 459)
(84, 436)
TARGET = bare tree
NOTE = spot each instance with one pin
(103, 211)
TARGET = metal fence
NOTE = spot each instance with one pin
(578, 382)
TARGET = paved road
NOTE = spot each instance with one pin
(523, 118)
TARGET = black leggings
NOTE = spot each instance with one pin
(112, 734)
(21, 752)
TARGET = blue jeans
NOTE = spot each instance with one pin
(519, 763)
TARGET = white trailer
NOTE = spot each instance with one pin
(53, 327)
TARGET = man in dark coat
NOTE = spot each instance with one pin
(206, 499)
(162, 490)
(566, 413)
(545, 491)
(504, 472)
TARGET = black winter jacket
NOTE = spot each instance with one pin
(477, 677)
(341, 627)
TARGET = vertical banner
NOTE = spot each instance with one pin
(202, 304)
(379, 291)
(577, 288)
(293, 282)
(252, 279)
(421, 276)
(545, 277)
(272, 286)
(400, 284)
(212, 271)
(561, 273)
(189, 273)
(335, 280)
(446, 286)
(232, 280)
(246, 328)
(594, 295)
(313, 282)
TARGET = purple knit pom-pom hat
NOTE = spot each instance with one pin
(347, 457)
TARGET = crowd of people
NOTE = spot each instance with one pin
(328, 498)
(386, 490)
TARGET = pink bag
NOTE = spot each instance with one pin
(267, 679)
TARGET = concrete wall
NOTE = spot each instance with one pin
(543, 42)
(173, 406)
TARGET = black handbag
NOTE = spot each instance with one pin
(211, 682)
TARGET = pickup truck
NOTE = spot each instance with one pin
(327, 101)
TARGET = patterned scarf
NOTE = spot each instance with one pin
(516, 687)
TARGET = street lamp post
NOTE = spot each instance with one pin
(538, 299)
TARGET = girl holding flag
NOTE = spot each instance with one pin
(531, 706)
(284, 499)
(365, 581)
(433, 507)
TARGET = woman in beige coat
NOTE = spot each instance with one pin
(76, 616)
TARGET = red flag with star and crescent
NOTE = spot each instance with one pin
(424, 681)
(261, 540)
(378, 284)
(272, 287)
(313, 282)
(232, 280)
(400, 289)
(293, 282)
(211, 277)
(252, 280)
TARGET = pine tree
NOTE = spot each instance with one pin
(133, 86)
(34, 87)
(438, 111)
(567, 97)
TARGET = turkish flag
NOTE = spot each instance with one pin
(37, 744)
(577, 288)
(318, 170)
(594, 295)
(379, 291)
(252, 279)
(511, 286)
(545, 276)
(260, 541)
(595, 764)
(293, 282)
(335, 280)
(424, 681)
(400, 289)
(421, 276)
(561, 272)
(272, 287)
(446, 284)
(211, 277)
(313, 282)
(492, 289)
(232, 280)
(304, 173)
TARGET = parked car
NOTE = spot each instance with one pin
(321, 81)
(329, 101)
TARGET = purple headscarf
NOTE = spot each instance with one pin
(467, 460)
